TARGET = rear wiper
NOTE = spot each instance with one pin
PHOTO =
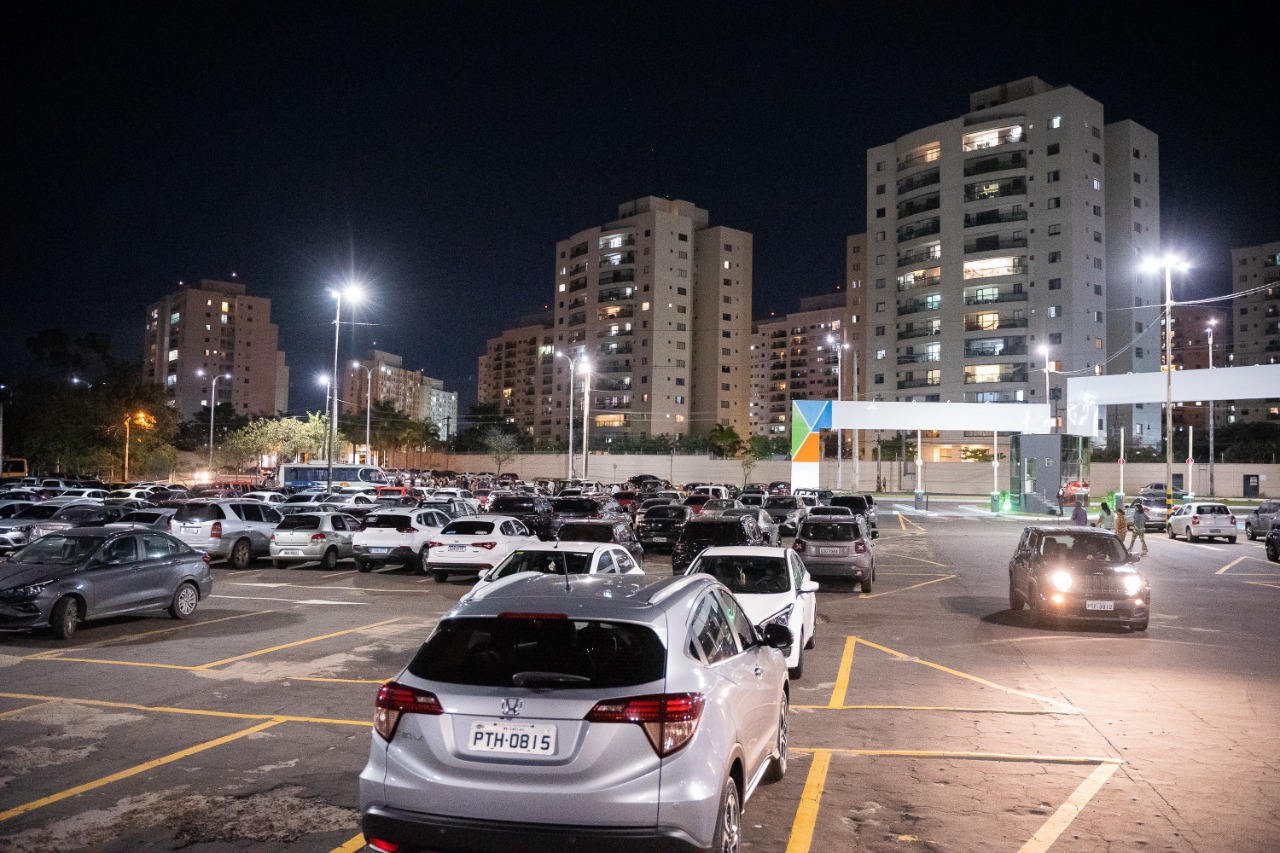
(547, 679)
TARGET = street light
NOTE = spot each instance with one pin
(574, 361)
(586, 410)
(840, 348)
(1168, 263)
(143, 420)
(323, 379)
(1212, 322)
(1044, 351)
(368, 404)
(213, 404)
(354, 293)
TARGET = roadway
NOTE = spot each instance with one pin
(930, 717)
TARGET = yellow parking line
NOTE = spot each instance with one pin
(1223, 570)
(1013, 691)
(842, 674)
(905, 588)
(339, 574)
(1067, 812)
(16, 711)
(902, 522)
(970, 756)
(1019, 711)
(335, 680)
(1262, 583)
(133, 771)
(294, 643)
(807, 811)
(119, 663)
(351, 846)
(196, 712)
(54, 653)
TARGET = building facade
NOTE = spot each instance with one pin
(797, 357)
(1191, 351)
(987, 255)
(1256, 321)
(515, 374)
(216, 329)
(382, 377)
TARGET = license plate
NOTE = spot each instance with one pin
(457, 547)
(377, 550)
(186, 529)
(659, 539)
(290, 552)
(1099, 605)
(1215, 530)
(831, 551)
(520, 738)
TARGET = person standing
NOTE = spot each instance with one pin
(1106, 520)
(1121, 523)
(1079, 517)
(1138, 527)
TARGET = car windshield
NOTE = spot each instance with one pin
(556, 652)
(468, 528)
(586, 533)
(198, 512)
(73, 513)
(667, 511)
(855, 503)
(547, 562)
(760, 575)
(713, 534)
(829, 531)
(780, 503)
(38, 511)
(577, 506)
(141, 517)
(511, 504)
(299, 522)
(62, 550)
(720, 503)
(390, 521)
(1067, 546)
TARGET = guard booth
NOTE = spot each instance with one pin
(1043, 468)
(1251, 485)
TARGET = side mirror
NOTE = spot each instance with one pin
(1135, 558)
(809, 586)
(777, 636)
(875, 534)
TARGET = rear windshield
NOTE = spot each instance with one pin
(713, 534)
(468, 528)
(780, 503)
(694, 500)
(842, 511)
(752, 500)
(547, 562)
(389, 521)
(760, 575)
(829, 531)
(140, 517)
(576, 505)
(586, 533)
(299, 522)
(199, 512)
(650, 503)
(73, 513)
(511, 504)
(857, 503)
(561, 653)
(1213, 509)
(38, 511)
(666, 511)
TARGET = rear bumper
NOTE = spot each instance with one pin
(419, 833)
(458, 568)
(841, 567)
(387, 554)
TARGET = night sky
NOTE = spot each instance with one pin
(440, 150)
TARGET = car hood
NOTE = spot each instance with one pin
(760, 607)
(23, 574)
(14, 523)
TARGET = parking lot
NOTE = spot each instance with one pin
(930, 717)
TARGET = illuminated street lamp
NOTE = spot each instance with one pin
(368, 403)
(1212, 322)
(213, 404)
(1168, 263)
(574, 361)
(354, 293)
(1044, 351)
(141, 420)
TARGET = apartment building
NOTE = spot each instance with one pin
(440, 407)
(515, 374)
(793, 357)
(988, 246)
(659, 303)
(1256, 321)
(382, 377)
(1192, 346)
(216, 329)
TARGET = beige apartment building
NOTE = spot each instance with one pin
(1012, 230)
(515, 374)
(1191, 349)
(214, 329)
(1256, 318)
(793, 357)
(382, 377)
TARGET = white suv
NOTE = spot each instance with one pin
(397, 536)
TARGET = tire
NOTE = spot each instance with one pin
(329, 561)
(1168, 531)
(1248, 532)
(422, 560)
(65, 617)
(797, 672)
(866, 582)
(1231, 540)
(1273, 553)
(813, 639)
(440, 577)
(279, 564)
(1016, 599)
(1191, 538)
(778, 764)
(1037, 610)
(364, 567)
(728, 837)
(1139, 626)
(241, 554)
(185, 601)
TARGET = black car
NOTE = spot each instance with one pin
(858, 505)
(565, 510)
(616, 530)
(1273, 544)
(661, 525)
(533, 511)
(85, 573)
(702, 533)
(1078, 574)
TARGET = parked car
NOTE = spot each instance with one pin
(773, 586)
(36, 520)
(1261, 520)
(565, 510)
(830, 512)
(615, 530)
(1197, 519)
(237, 531)
(150, 518)
(1272, 544)
(11, 507)
(780, 487)
(661, 526)
(857, 504)
(702, 533)
(533, 512)
(717, 506)
(397, 536)
(459, 494)
(768, 527)
(1156, 492)
(306, 536)
(582, 557)
(1083, 574)
(752, 498)
(786, 511)
(475, 545)
(617, 714)
(272, 498)
(839, 546)
(75, 575)
(14, 530)
(452, 507)
(695, 503)
(1157, 515)
(648, 504)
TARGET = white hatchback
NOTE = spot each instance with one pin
(773, 586)
(475, 544)
(557, 558)
(1196, 519)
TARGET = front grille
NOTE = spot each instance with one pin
(1102, 585)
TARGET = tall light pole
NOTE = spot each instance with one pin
(1212, 322)
(1044, 351)
(574, 361)
(143, 420)
(1168, 263)
(323, 379)
(586, 410)
(840, 348)
(213, 404)
(354, 293)
(368, 404)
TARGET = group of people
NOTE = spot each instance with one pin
(1135, 525)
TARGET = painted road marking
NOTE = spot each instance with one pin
(807, 811)
(1067, 812)
(920, 559)
(905, 588)
(196, 712)
(133, 771)
(842, 675)
(329, 587)
(16, 711)
(970, 756)
(339, 574)
(902, 522)
(292, 600)
(1017, 711)
(294, 643)
(53, 654)
(1262, 583)
(1237, 560)
(351, 846)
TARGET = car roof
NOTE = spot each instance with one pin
(745, 551)
(567, 545)
(636, 598)
(1074, 531)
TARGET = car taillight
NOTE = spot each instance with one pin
(272, 537)
(669, 719)
(216, 530)
(204, 555)
(1233, 521)
(406, 530)
(488, 546)
(315, 537)
(435, 544)
(859, 547)
(1195, 519)
(383, 846)
(395, 700)
(799, 546)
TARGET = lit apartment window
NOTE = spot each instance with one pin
(171, 379)
(1055, 122)
(989, 267)
(175, 317)
(726, 264)
(992, 137)
(173, 355)
(226, 307)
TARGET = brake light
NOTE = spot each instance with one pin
(383, 846)
(204, 555)
(859, 547)
(216, 530)
(1195, 519)
(669, 720)
(488, 546)
(435, 544)
(1233, 521)
(799, 546)
(315, 537)
(395, 700)
(406, 530)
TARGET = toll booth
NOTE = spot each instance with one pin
(1043, 468)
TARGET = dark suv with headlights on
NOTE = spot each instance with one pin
(703, 533)
(661, 525)
(1078, 574)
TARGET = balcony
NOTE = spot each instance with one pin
(979, 140)
(579, 302)
(919, 306)
(578, 250)
(915, 206)
(607, 314)
(611, 385)
(998, 347)
(984, 190)
(994, 298)
(778, 377)
(924, 154)
(927, 332)
(616, 241)
(915, 230)
(616, 294)
(994, 243)
(613, 366)
(994, 267)
(617, 277)
(973, 323)
(983, 375)
(920, 358)
(919, 279)
(919, 181)
(577, 319)
(578, 284)
(778, 365)
(1014, 213)
(613, 333)
(618, 258)
(998, 163)
(993, 397)
(931, 252)
(926, 382)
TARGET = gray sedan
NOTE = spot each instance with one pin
(85, 573)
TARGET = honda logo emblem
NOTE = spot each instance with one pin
(512, 707)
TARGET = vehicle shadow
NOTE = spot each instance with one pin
(142, 629)
(1023, 619)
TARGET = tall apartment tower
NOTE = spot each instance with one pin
(793, 358)
(217, 329)
(988, 241)
(515, 375)
(1256, 279)
(659, 302)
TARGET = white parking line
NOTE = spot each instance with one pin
(331, 588)
(292, 600)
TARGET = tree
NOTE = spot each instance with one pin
(501, 446)
(725, 441)
(756, 448)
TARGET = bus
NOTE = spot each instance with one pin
(13, 468)
(304, 475)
